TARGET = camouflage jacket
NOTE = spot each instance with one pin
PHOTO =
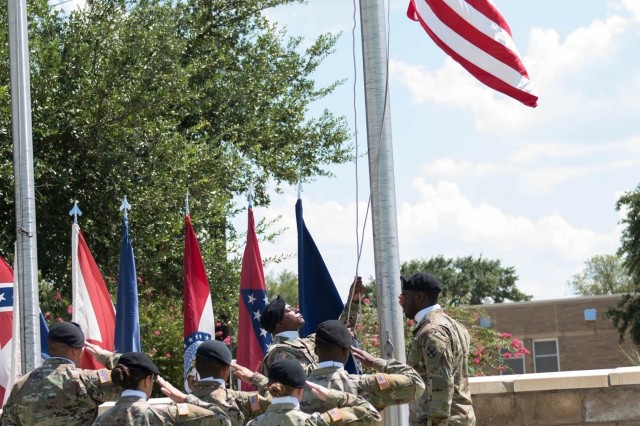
(302, 350)
(396, 383)
(58, 393)
(134, 410)
(239, 406)
(347, 409)
(439, 352)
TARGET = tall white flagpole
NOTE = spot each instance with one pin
(25, 205)
(383, 193)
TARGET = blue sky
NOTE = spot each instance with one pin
(477, 173)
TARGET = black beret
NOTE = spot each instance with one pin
(272, 314)
(138, 361)
(68, 333)
(335, 333)
(421, 281)
(288, 372)
(214, 350)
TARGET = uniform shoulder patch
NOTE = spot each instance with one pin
(383, 383)
(335, 414)
(105, 375)
(183, 409)
(254, 402)
(431, 351)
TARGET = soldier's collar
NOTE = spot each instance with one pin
(60, 359)
(325, 364)
(291, 334)
(133, 392)
(213, 379)
(423, 313)
(285, 400)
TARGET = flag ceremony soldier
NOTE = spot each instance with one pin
(394, 383)
(439, 351)
(213, 361)
(136, 373)
(59, 393)
(281, 320)
(287, 380)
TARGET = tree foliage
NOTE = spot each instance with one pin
(467, 280)
(626, 317)
(149, 99)
(602, 274)
(284, 284)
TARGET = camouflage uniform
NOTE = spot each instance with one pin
(302, 349)
(58, 393)
(136, 410)
(350, 410)
(396, 383)
(239, 406)
(439, 352)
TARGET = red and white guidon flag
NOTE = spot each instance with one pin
(476, 35)
(92, 306)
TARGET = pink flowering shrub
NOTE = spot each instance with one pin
(489, 347)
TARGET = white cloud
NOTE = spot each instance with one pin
(444, 210)
(563, 72)
(448, 166)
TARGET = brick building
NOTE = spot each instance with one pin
(563, 334)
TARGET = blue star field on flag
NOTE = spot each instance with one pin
(255, 301)
(191, 343)
(6, 297)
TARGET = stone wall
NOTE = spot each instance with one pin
(607, 397)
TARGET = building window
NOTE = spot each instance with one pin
(545, 356)
(515, 365)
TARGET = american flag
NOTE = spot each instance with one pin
(476, 35)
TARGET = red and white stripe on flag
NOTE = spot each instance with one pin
(476, 35)
(92, 306)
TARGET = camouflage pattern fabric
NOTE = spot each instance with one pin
(239, 406)
(395, 383)
(347, 409)
(136, 411)
(439, 352)
(302, 350)
(58, 393)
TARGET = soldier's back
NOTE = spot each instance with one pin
(56, 393)
(239, 406)
(332, 378)
(135, 411)
(286, 415)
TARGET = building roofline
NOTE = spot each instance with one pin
(540, 302)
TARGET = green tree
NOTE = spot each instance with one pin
(284, 284)
(149, 99)
(626, 317)
(467, 280)
(602, 274)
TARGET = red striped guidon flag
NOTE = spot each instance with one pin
(476, 35)
(92, 306)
